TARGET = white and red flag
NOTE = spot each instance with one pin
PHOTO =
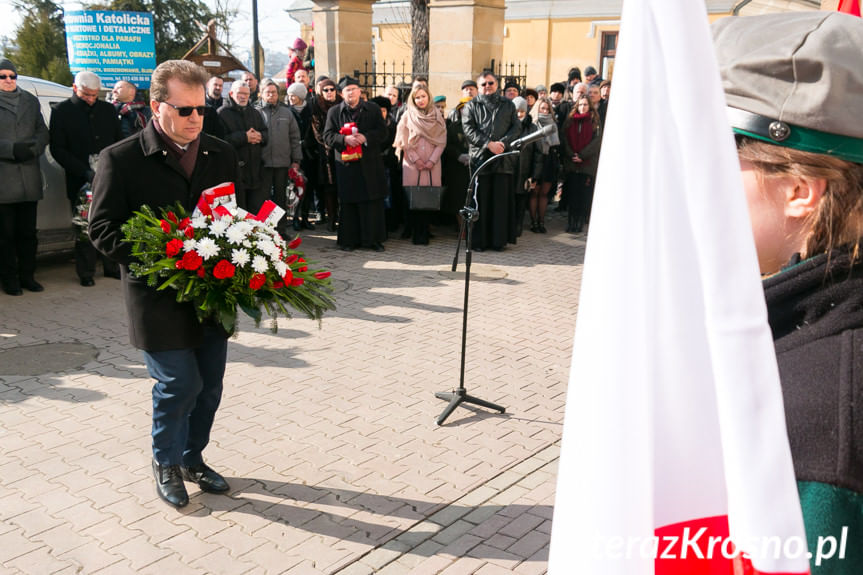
(675, 458)
(849, 7)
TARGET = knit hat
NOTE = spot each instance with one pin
(383, 102)
(541, 88)
(511, 84)
(794, 79)
(299, 90)
(520, 103)
(468, 84)
(590, 71)
(299, 44)
(7, 65)
(438, 99)
(558, 87)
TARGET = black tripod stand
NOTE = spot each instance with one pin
(469, 214)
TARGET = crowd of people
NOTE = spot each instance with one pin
(362, 159)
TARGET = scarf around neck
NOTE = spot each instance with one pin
(580, 131)
(416, 124)
(9, 100)
(552, 139)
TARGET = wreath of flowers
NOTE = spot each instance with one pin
(221, 258)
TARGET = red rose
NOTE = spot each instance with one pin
(166, 227)
(184, 223)
(192, 261)
(278, 285)
(323, 275)
(172, 216)
(224, 269)
(291, 259)
(303, 269)
(257, 281)
(201, 272)
(189, 232)
(173, 247)
(295, 243)
(289, 275)
(179, 264)
(297, 281)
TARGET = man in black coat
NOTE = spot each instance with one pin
(361, 183)
(81, 127)
(491, 124)
(245, 130)
(169, 161)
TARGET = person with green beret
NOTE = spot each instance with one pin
(794, 90)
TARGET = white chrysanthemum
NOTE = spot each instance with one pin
(260, 264)
(247, 244)
(236, 233)
(200, 222)
(218, 227)
(279, 240)
(189, 245)
(268, 247)
(207, 248)
(239, 257)
(281, 267)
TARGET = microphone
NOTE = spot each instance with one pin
(531, 138)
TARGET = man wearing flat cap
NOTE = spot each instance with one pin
(360, 178)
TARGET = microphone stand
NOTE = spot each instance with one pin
(469, 214)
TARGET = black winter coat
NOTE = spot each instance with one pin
(816, 315)
(78, 130)
(236, 121)
(490, 119)
(139, 171)
(371, 183)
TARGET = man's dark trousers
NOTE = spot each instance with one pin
(186, 396)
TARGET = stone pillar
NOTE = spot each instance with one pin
(464, 36)
(343, 36)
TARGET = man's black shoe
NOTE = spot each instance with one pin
(207, 479)
(87, 282)
(12, 287)
(378, 247)
(32, 285)
(116, 275)
(169, 484)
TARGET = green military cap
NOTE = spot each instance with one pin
(795, 79)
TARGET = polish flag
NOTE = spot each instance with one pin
(850, 7)
(675, 458)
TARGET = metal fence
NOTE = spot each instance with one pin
(510, 72)
(375, 79)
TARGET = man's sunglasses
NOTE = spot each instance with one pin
(186, 111)
(10, 76)
(484, 84)
(328, 89)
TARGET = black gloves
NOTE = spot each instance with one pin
(23, 151)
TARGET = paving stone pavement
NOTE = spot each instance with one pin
(326, 433)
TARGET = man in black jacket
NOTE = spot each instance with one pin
(245, 130)
(169, 161)
(81, 127)
(491, 124)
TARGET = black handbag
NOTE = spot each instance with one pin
(424, 197)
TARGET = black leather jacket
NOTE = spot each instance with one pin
(490, 119)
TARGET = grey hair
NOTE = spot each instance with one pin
(88, 80)
(268, 82)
